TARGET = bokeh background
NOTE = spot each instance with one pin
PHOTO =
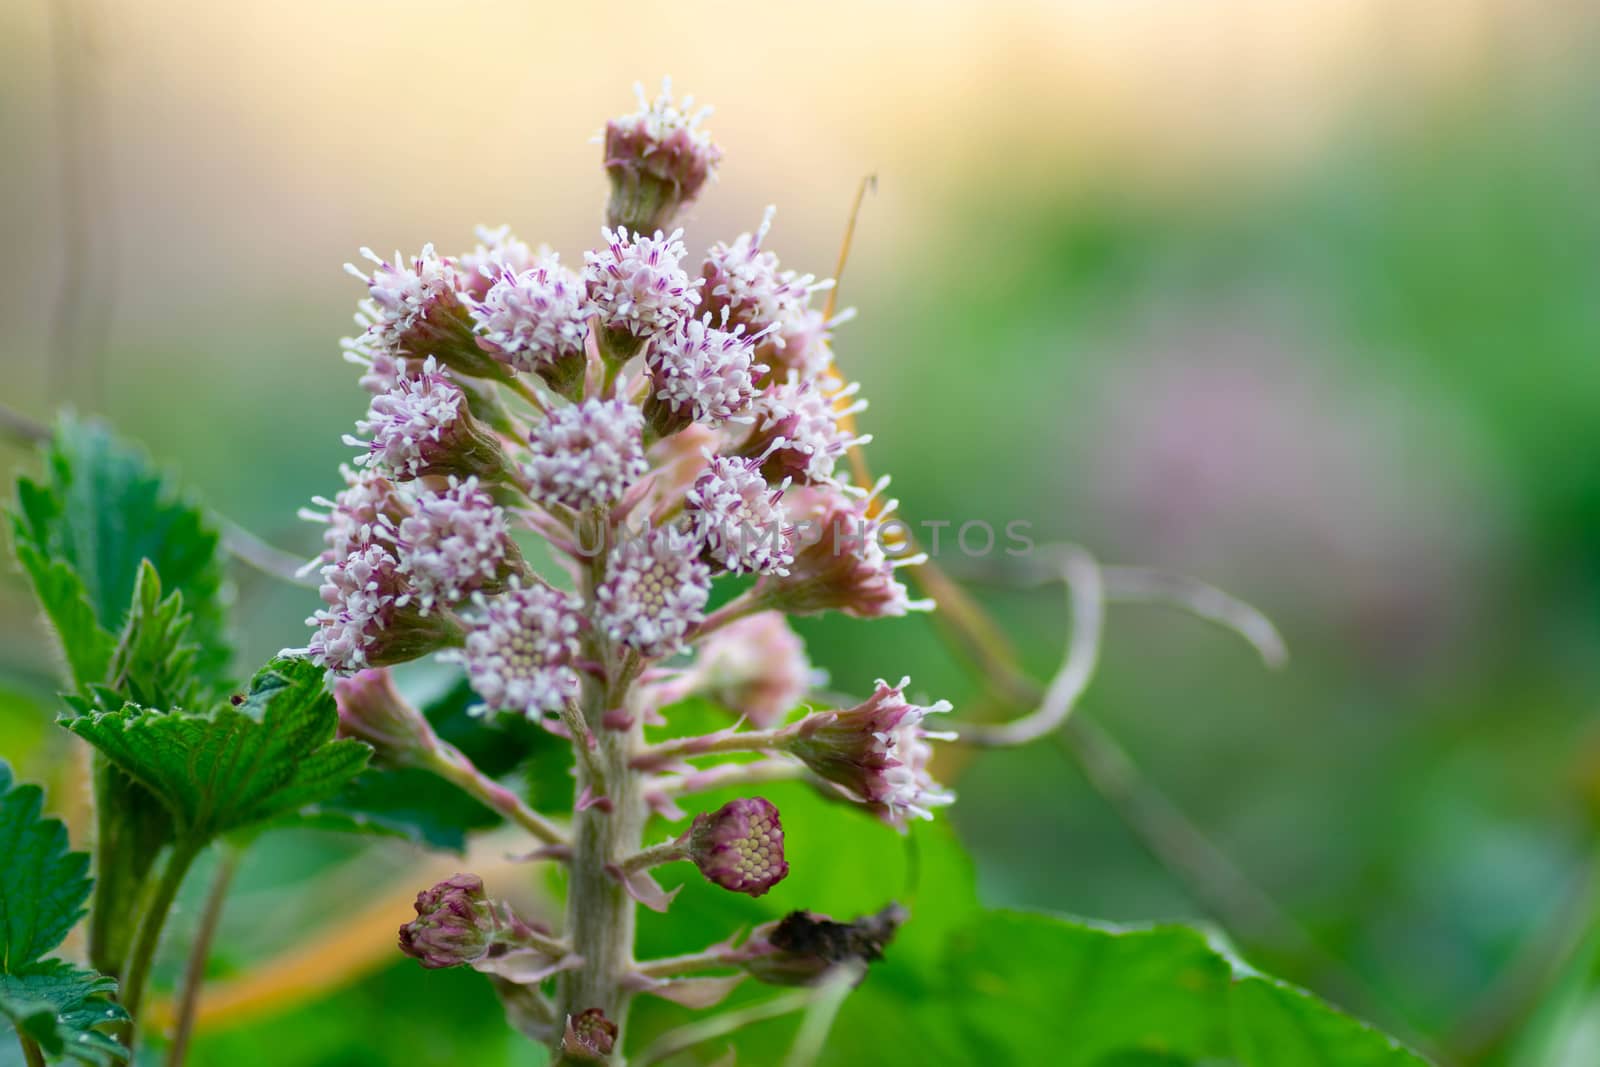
(1300, 299)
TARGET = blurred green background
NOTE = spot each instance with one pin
(1303, 300)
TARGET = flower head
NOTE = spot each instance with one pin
(455, 924)
(877, 751)
(699, 373)
(372, 710)
(499, 252)
(658, 158)
(455, 544)
(654, 593)
(370, 621)
(803, 948)
(535, 321)
(739, 517)
(742, 280)
(637, 287)
(423, 426)
(840, 562)
(587, 455)
(519, 649)
(368, 509)
(798, 432)
(739, 846)
(756, 666)
(415, 310)
(799, 346)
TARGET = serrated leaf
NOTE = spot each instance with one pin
(84, 532)
(61, 1007)
(154, 662)
(236, 766)
(42, 884)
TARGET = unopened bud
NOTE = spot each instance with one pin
(739, 846)
(372, 710)
(589, 1036)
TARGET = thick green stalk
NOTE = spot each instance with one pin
(151, 923)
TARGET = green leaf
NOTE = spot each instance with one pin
(154, 663)
(1020, 987)
(236, 766)
(84, 533)
(42, 885)
(60, 1007)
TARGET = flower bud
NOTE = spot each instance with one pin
(739, 846)
(877, 751)
(416, 310)
(803, 948)
(839, 562)
(455, 924)
(372, 710)
(371, 619)
(424, 426)
(589, 1036)
(657, 159)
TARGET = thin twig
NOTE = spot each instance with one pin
(274, 562)
(820, 1014)
(1086, 590)
(687, 1037)
(194, 972)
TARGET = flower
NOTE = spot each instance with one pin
(536, 321)
(519, 649)
(756, 666)
(589, 1035)
(799, 346)
(739, 517)
(743, 282)
(654, 592)
(700, 373)
(877, 751)
(369, 621)
(587, 455)
(455, 924)
(498, 252)
(797, 431)
(839, 559)
(422, 426)
(658, 159)
(803, 948)
(372, 710)
(368, 509)
(454, 544)
(739, 846)
(380, 371)
(416, 310)
(637, 288)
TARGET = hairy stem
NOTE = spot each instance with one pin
(699, 1032)
(600, 913)
(194, 972)
(729, 774)
(448, 763)
(656, 855)
(151, 923)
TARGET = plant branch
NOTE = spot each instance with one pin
(687, 1037)
(728, 774)
(32, 1055)
(449, 763)
(704, 960)
(151, 923)
(820, 1014)
(652, 756)
(194, 973)
(655, 855)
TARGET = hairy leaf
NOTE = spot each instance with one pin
(84, 532)
(236, 766)
(62, 1007)
(42, 885)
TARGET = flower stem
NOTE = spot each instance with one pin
(655, 856)
(31, 1053)
(711, 745)
(671, 966)
(448, 763)
(728, 774)
(195, 971)
(151, 924)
